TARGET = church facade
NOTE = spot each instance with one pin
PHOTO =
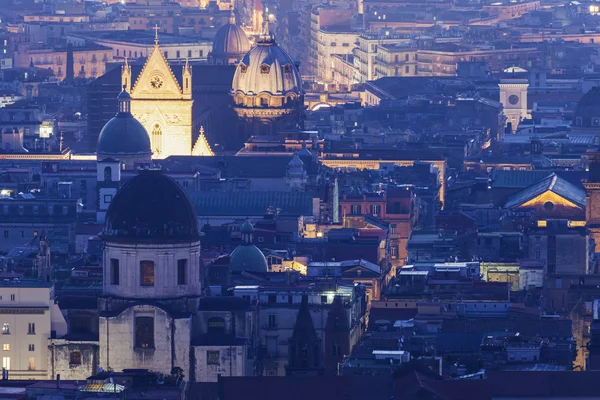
(163, 105)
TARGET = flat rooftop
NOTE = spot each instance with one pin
(140, 37)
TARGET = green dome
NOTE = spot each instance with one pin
(247, 228)
(248, 257)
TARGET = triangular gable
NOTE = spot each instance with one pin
(156, 78)
(551, 197)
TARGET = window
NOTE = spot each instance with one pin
(114, 271)
(189, 53)
(213, 357)
(31, 328)
(65, 210)
(177, 54)
(355, 209)
(13, 297)
(144, 332)
(6, 347)
(32, 347)
(147, 273)
(5, 234)
(107, 174)
(264, 102)
(75, 358)
(107, 198)
(182, 272)
(157, 139)
(22, 234)
(216, 325)
(323, 299)
(31, 363)
(264, 69)
(5, 329)
(272, 321)
(6, 363)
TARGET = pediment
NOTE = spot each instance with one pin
(156, 81)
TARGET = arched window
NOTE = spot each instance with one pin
(243, 68)
(107, 174)
(264, 102)
(287, 68)
(264, 69)
(578, 121)
(216, 325)
(157, 139)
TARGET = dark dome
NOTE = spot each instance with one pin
(587, 114)
(123, 134)
(151, 206)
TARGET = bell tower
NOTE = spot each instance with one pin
(305, 353)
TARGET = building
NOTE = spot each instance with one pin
(267, 90)
(152, 284)
(89, 59)
(163, 105)
(30, 319)
(513, 96)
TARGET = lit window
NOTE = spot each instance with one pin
(147, 273)
(6, 363)
(31, 363)
(5, 329)
(6, 347)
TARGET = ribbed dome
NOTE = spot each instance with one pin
(230, 39)
(267, 68)
(123, 134)
(151, 207)
(587, 114)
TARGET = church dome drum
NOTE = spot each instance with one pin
(151, 207)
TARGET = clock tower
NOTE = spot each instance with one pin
(513, 95)
(163, 103)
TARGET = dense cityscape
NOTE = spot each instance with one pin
(300, 199)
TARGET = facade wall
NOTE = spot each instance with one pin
(63, 361)
(215, 361)
(87, 63)
(171, 341)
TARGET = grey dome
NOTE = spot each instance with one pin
(267, 68)
(230, 39)
(151, 207)
(123, 134)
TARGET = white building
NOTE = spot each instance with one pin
(29, 318)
